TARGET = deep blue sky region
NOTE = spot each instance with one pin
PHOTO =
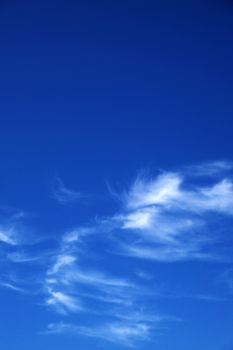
(116, 186)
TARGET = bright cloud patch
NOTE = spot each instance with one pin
(63, 194)
(8, 237)
(174, 216)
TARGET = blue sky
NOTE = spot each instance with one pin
(116, 204)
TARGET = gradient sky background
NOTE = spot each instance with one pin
(103, 105)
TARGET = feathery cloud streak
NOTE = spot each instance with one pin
(63, 194)
(171, 217)
(175, 216)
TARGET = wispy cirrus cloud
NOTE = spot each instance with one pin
(22, 257)
(170, 217)
(11, 227)
(64, 195)
(124, 333)
(8, 236)
(63, 303)
(11, 286)
(210, 169)
(66, 276)
(72, 288)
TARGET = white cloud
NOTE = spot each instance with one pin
(65, 276)
(63, 302)
(160, 191)
(163, 219)
(20, 257)
(155, 225)
(171, 192)
(61, 261)
(99, 285)
(8, 237)
(139, 219)
(169, 253)
(124, 333)
(64, 195)
(168, 217)
(11, 286)
(96, 279)
(209, 169)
